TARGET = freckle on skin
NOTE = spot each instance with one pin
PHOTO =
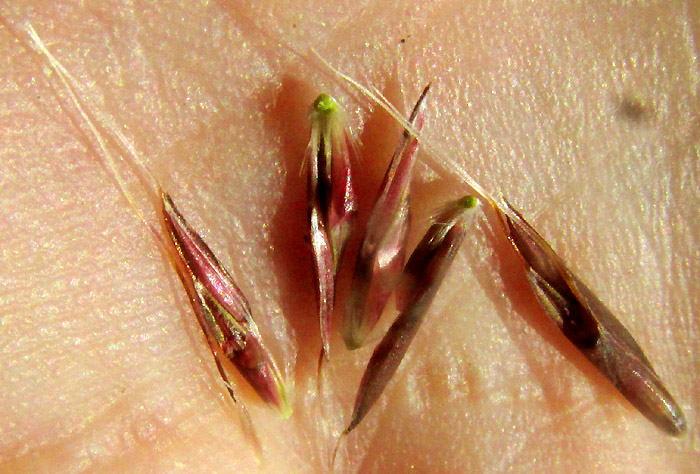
(634, 109)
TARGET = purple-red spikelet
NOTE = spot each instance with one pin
(331, 201)
(222, 310)
(590, 325)
(383, 247)
(420, 281)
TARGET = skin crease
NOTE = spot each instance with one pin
(584, 116)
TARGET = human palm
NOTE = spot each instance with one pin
(583, 115)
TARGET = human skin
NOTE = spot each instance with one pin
(583, 115)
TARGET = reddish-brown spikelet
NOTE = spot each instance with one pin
(590, 325)
(331, 201)
(383, 247)
(420, 281)
(222, 310)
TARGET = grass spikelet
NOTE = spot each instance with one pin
(590, 325)
(331, 201)
(222, 311)
(420, 281)
(383, 247)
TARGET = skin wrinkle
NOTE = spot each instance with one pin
(626, 443)
(161, 85)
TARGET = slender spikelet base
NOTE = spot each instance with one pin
(590, 325)
(420, 281)
(383, 247)
(331, 201)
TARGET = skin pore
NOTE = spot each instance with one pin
(583, 115)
